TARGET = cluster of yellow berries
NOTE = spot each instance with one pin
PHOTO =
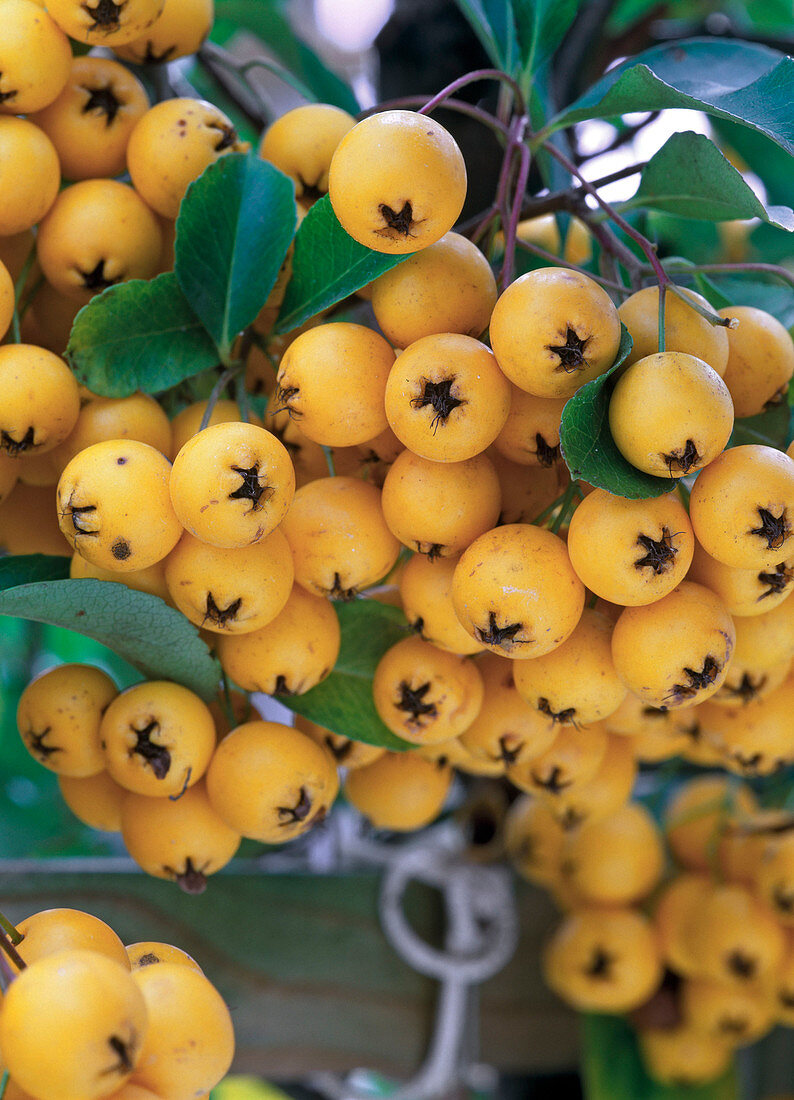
(450, 448)
(157, 765)
(698, 951)
(87, 1017)
(563, 634)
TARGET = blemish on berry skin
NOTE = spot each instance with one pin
(121, 550)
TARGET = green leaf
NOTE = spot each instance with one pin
(771, 428)
(541, 108)
(327, 266)
(27, 568)
(762, 156)
(625, 13)
(690, 177)
(267, 19)
(235, 225)
(343, 701)
(613, 1068)
(139, 336)
(541, 26)
(153, 637)
(493, 23)
(587, 444)
(768, 244)
(739, 81)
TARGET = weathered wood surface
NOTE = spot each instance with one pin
(311, 980)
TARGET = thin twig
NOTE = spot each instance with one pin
(11, 930)
(511, 225)
(639, 239)
(19, 287)
(704, 311)
(10, 950)
(572, 199)
(215, 393)
(472, 78)
(412, 102)
(733, 269)
(558, 261)
(567, 507)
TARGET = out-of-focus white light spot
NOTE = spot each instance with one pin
(670, 122)
(756, 184)
(633, 117)
(596, 134)
(352, 25)
(22, 791)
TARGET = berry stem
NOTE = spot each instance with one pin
(732, 269)
(10, 930)
(567, 506)
(241, 397)
(549, 509)
(10, 950)
(472, 78)
(19, 287)
(159, 78)
(225, 700)
(3, 1084)
(662, 300)
(39, 283)
(536, 250)
(712, 317)
(219, 63)
(224, 380)
(329, 458)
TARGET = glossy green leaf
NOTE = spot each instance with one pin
(268, 20)
(139, 336)
(343, 701)
(153, 637)
(612, 1068)
(493, 23)
(540, 27)
(28, 568)
(327, 266)
(739, 81)
(235, 225)
(587, 444)
(690, 177)
(700, 241)
(750, 289)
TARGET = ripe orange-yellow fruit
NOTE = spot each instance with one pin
(397, 181)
